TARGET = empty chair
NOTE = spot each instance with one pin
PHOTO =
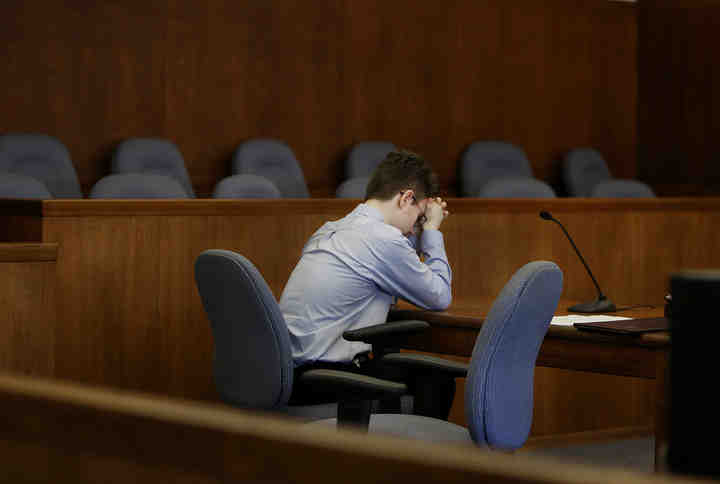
(137, 185)
(253, 365)
(353, 188)
(515, 188)
(503, 163)
(274, 160)
(154, 156)
(499, 385)
(585, 170)
(246, 186)
(13, 185)
(43, 158)
(365, 156)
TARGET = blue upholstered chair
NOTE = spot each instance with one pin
(137, 185)
(13, 185)
(274, 160)
(499, 387)
(353, 188)
(246, 186)
(365, 156)
(154, 156)
(504, 164)
(43, 158)
(253, 366)
(586, 174)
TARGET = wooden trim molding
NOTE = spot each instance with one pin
(28, 252)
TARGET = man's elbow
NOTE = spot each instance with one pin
(441, 302)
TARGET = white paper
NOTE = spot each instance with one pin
(571, 319)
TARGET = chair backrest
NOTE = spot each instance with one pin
(137, 185)
(365, 156)
(483, 161)
(274, 160)
(41, 157)
(499, 385)
(253, 364)
(152, 155)
(353, 188)
(516, 187)
(246, 186)
(620, 188)
(13, 185)
(583, 168)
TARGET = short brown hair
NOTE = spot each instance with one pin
(402, 170)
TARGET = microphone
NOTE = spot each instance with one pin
(602, 304)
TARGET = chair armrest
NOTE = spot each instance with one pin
(428, 363)
(347, 386)
(386, 334)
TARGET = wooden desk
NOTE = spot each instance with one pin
(454, 331)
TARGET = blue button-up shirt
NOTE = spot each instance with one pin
(348, 275)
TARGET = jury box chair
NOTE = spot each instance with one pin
(586, 174)
(498, 169)
(137, 185)
(272, 159)
(35, 165)
(253, 366)
(499, 388)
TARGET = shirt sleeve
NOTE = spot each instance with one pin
(401, 272)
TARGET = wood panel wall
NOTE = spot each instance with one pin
(679, 105)
(431, 76)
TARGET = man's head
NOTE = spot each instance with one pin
(402, 184)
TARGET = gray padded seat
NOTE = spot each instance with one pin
(619, 188)
(13, 185)
(274, 160)
(499, 385)
(484, 161)
(353, 188)
(365, 156)
(41, 157)
(153, 156)
(585, 170)
(515, 187)
(246, 186)
(137, 185)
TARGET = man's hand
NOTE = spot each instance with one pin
(435, 213)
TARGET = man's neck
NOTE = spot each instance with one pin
(385, 207)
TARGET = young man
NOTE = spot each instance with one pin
(351, 269)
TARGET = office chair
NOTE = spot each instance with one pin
(504, 164)
(365, 156)
(13, 185)
(586, 174)
(274, 160)
(42, 157)
(154, 156)
(353, 188)
(253, 365)
(246, 186)
(137, 185)
(499, 388)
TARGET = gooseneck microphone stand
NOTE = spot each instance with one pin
(602, 304)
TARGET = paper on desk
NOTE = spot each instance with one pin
(570, 319)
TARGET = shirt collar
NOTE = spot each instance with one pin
(368, 211)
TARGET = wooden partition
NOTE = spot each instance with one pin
(128, 314)
(322, 75)
(57, 432)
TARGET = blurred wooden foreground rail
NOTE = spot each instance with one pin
(122, 308)
(58, 432)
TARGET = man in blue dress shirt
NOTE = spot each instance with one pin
(352, 269)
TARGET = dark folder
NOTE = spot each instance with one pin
(626, 326)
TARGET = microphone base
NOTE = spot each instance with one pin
(603, 305)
